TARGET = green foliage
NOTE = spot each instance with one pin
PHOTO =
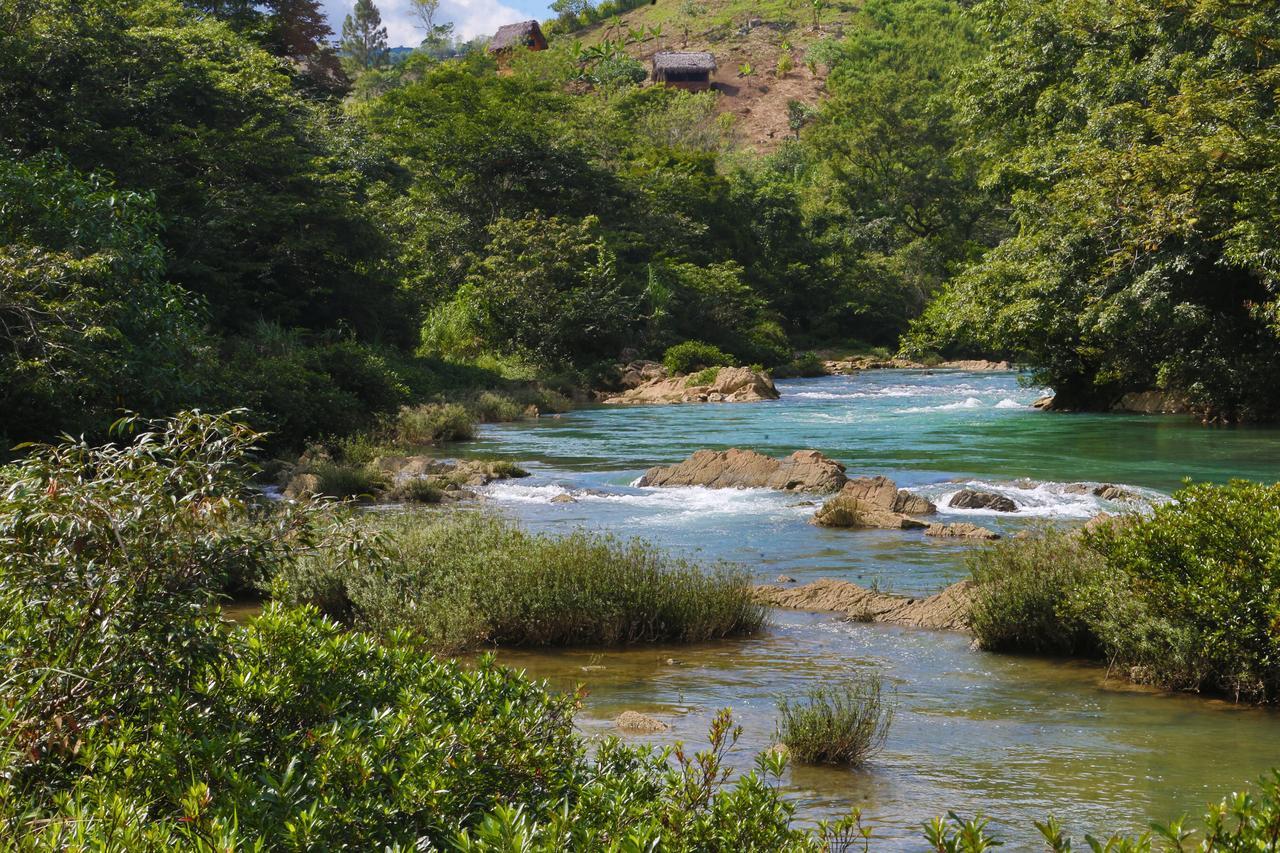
(465, 579)
(432, 423)
(364, 39)
(702, 377)
(128, 547)
(1205, 578)
(1185, 599)
(691, 356)
(843, 723)
(902, 210)
(548, 290)
(1027, 594)
(88, 318)
(1137, 142)
(807, 364)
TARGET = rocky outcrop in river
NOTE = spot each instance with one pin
(974, 499)
(875, 502)
(802, 471)
(729, 385)
(945, 610)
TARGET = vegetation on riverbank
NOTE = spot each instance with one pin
(133, 716)
(469, 579)
(1187, 599)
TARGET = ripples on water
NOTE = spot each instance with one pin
(1015, 737)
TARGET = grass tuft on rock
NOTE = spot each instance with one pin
(842, 723)
(465, 579)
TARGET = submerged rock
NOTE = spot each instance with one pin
(564, 499)
(947, 610)
(960, 530)
(873, 502)
(730, 385)
(974, 499)
(634, 721)
(802, 471)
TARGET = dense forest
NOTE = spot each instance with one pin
(205, 205)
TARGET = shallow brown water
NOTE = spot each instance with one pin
(1016, 738)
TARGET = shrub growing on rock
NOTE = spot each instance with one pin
(838, 723)
(690, 356)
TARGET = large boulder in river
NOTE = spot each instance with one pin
(802, 471)
(974, 499)
(883, 493)
(729, 385)
(874, 502)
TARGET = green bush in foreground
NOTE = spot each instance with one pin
(836, 724)
(691, 356)
(1188, 598)
(466, 578)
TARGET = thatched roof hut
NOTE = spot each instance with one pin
(524, 34)
(690, 69)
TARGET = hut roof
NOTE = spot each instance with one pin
(513, 35)
(692, 60)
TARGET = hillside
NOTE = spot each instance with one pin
(740, 33)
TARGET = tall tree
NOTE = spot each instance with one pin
(296, 28)
(364, 39)
(425, 11)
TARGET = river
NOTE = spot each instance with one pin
(1015, 738)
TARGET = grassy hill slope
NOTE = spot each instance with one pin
(741, 33)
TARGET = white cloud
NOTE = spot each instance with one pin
(470, 18)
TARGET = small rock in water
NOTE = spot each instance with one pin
(960, 530)
(564, 499)
(1109, 492)
(594, 667)
(785, 579)
(673, 662)
(633, 721)
(974, 499)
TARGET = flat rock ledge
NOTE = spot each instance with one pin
(731, 385)
(802, 471)
(947, 610)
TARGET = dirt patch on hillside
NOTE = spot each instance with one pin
(946, 610)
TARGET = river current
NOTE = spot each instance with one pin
(1015, 738)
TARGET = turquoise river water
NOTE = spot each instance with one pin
(1016, 738)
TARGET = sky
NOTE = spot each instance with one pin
(470, 17)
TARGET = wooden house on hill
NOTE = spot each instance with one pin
(524, 34)
(689, 70)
